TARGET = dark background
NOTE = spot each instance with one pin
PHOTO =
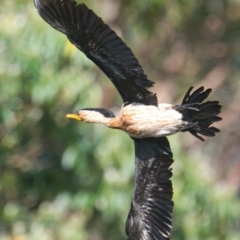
(63, 180)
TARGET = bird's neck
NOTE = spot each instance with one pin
(115, 122)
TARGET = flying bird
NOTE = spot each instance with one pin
(141, 117)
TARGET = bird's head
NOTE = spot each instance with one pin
(92, 115)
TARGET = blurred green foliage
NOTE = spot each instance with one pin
(63, 180)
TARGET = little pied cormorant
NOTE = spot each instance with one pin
(146, 121)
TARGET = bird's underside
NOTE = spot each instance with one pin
(150, 216)
(141, 121)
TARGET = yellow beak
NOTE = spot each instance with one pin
(74, 116)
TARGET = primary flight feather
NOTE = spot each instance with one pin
(141, 117)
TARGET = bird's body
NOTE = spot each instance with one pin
(141, 116)
(141, 121)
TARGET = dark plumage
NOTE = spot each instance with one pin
(205, 115)
(105, 112)
(100, 44)
(146, 121)
(150, 216)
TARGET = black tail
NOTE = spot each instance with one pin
(199, 115)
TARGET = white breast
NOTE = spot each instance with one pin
(142, 121)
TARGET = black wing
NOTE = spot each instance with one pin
(101, 44)
(150, 216)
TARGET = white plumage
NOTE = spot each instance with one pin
(141, 121)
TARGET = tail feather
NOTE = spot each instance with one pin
(197, 96)
(207, 113)
(199, 115)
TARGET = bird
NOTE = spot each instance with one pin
(147, 122)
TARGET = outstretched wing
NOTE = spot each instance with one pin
(150, 216)
(101, 44)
